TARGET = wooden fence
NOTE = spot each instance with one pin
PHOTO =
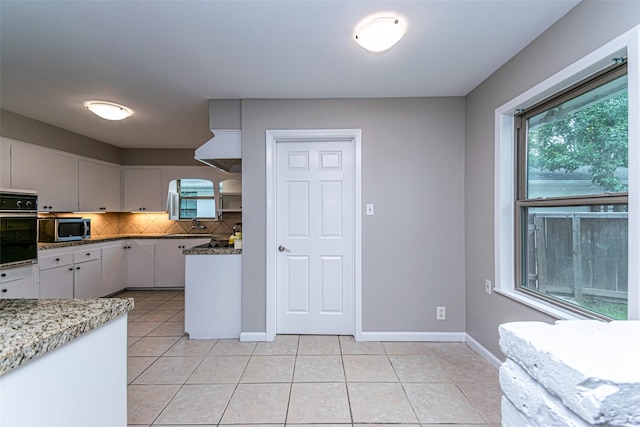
(579, 254)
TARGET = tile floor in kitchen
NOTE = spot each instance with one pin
(307, 379)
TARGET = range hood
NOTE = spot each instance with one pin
(223, 151)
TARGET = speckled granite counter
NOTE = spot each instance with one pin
(30, 328)
(206, 249)
(112, 237)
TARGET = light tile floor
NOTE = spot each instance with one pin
(307, 379)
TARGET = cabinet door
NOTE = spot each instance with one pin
(140, 263)
(169, 262)
(114, 268)
(5, 164)
(86, 279)
(99, 187)
(57, 282)
(142, 190)
(53, 176)
(19, 282)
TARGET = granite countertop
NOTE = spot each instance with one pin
(206, 249)
(31, 327)
(112, 237)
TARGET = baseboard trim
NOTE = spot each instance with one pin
(486, 354)
(253, 336)
(414, 336)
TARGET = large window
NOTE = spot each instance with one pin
(571, 207)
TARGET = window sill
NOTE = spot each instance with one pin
(542, 306)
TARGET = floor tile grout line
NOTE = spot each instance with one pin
(438, 358)
(346, 381)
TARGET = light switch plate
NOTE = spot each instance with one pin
(369, 208)
(487, 286)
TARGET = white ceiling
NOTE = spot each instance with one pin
(165, 59)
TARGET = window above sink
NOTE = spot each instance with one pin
(191, 198)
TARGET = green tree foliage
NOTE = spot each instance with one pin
(596, 137)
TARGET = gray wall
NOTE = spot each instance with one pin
(25, 129)
(588, 26)
(412, 170)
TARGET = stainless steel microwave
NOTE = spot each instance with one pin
(63, 229)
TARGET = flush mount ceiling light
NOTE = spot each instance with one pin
(108, 110)
(379, 33)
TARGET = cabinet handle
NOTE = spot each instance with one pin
(77, 268)
(4, 274)
(4, 290)
(88, 254)
(103, 209)
(70, 268)
(57, 259)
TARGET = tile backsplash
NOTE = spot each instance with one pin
(103, 224)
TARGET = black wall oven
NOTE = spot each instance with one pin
(18, 228)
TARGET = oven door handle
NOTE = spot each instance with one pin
(15, 214)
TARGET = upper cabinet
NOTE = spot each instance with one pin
(5, 163)
(230, 196)
(54, 176)
(142, 190)
(99, 187)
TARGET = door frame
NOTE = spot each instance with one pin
(304, 135)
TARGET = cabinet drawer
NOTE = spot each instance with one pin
(14, 274)
(86, 255)
(52, 261)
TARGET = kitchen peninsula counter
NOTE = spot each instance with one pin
(66, 358)
(208, 250)
(32, 327)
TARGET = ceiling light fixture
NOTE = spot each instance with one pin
(380, 32)
(108, 110)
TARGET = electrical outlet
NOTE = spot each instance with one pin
(487, 286)
(441, 313)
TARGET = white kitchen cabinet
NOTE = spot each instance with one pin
(230, 196)
(65, 274)
(56, 275)
(169, 261)
(57, 282)
(20, 282)
(5, 163)
(99, 187)
(114, 267)
(142, 189)
(140, 263)
(54, 176)
(86, 274)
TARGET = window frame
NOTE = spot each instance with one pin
(627, 45)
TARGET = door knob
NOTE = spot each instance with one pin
(281, 248)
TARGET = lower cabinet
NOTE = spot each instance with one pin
(140, 263)
(102, 269)
(86, 274)
(20, 282)
(70, 274)
(169, 261)
(114, 267)
(56, 275)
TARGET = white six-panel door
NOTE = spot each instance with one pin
(315, 208)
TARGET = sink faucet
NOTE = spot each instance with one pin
(196, 224)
